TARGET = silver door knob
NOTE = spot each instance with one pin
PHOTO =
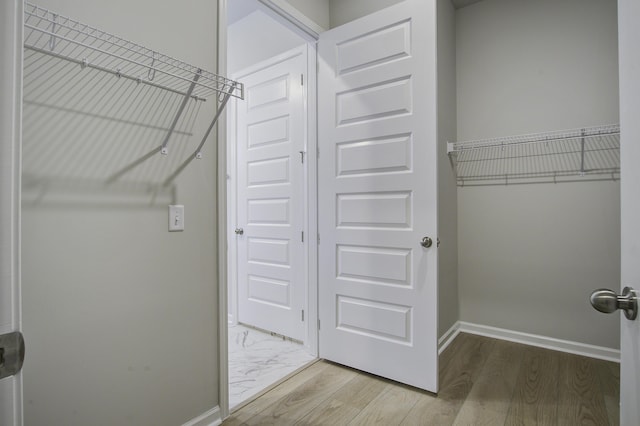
(239, 231)
(607, 301)
(426, 242)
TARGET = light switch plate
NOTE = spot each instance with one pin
(176, 218)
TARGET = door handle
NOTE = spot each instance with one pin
(11, 354)
(426, 242)
(607, 301)
(239, 231)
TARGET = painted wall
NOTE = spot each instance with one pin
(530, 255)
(120, 315)
(316, 10)
(448, 304)
(343, 11)
(246, 49)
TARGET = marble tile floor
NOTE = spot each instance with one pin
(257, 360)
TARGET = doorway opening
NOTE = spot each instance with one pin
(268, 206)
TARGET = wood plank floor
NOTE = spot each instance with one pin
(483, 381)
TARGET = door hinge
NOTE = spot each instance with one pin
(301, 79)
(318, 239)
(302, 315)
(318, 323)
(301, 156)
(302, 236)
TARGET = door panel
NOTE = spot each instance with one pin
(629, 34)
(271, 283)
(377, 194)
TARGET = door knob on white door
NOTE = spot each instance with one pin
(239, 231)
(426, 242)
(607, 301)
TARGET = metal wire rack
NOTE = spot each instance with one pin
(52, 38)
(585, 154)
(50, 33)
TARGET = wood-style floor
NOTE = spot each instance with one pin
(483, 381)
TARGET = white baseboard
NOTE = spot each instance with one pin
(576, 348)
(210, 418)
(448, 337)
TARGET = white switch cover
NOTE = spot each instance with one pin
(176, 218)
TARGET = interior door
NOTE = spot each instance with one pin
(270, 190)
(377, 194)
(629, 56)
(10, 101)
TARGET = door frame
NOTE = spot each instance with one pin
(11, 53)
(311, 197)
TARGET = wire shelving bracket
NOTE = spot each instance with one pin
(586, 154)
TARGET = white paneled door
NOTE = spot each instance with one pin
(270, 192)
(377, 194)
(629, 35)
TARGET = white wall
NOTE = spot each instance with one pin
(343, 11)
(120, 316)
(256, 38)
(448, 304)
(530, 255)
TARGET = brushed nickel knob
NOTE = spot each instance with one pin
(607, 301)
(426, 242)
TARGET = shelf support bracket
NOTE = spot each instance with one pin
(163, 149)
(197, 154)
(582, 133)
(223, 104)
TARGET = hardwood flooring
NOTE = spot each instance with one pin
(483, 381)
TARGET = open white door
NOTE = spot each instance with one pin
(629, 37)
(377, 194)
(10, 123)
(270, 195)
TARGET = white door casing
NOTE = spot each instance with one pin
(270, 195)
(10, 140)
(377, 194)
(629, 57)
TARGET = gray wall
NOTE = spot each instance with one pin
(316, 10)
(530, 255)
(120, 315)
(448, 304)
(343, 11)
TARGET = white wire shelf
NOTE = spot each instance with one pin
(585, 154)
(52, 34)
(167, 92)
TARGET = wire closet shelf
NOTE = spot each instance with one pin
(585, 154)
(50, 33)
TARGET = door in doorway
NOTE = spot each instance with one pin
(377, 194)
(270, 241)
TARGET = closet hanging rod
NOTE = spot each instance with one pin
(533, 138)
(46, 31)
